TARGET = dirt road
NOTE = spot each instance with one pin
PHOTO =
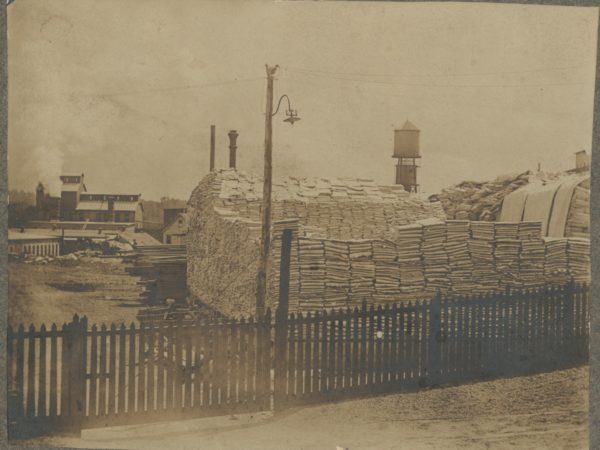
(52, 293)
(546, 411)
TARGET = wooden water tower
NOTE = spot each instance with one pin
(406, 150)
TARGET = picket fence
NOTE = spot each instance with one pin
(79, 377)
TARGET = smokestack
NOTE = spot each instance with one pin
(212, 148)
(39, 196)
(233, 135)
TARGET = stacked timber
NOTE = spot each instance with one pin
(162, 272)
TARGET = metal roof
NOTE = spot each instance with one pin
(89, 205)
(125, 206)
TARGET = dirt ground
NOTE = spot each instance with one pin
(52, 293)
(547, 411)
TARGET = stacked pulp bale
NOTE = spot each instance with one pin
(532, 256)
(337, 273)
(408, 240)
(387, 271)
(578, 253)
(481, 247)
(556, 268)
(435, 258)
(459, 259)
(311, 258)
(362, 271)
(508, 248)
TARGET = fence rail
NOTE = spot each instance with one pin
(77, 376)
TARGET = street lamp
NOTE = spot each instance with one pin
(292, 116)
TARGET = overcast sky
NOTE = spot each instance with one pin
(125, 91)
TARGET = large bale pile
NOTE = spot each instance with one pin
(224, 233)
(480, 200)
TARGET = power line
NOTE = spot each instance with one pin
(465, 74)
(398, 83)
(183, 87)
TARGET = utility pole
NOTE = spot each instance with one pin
(212, 148)
(265, 243)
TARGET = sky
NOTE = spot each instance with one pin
(125, 91)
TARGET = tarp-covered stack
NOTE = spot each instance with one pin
(481, 247)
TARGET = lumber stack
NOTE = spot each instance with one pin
(162, 272)
(507, 251)
(387, 271)
(532, 256)
(434, 256)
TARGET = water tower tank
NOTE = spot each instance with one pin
(406, 141)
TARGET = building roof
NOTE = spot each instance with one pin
(181, 220)
(125, 206)
(408, 126)
(14, 235)
(92, 205)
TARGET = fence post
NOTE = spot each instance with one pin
(77, 346)
(281, 322)
(568, 341)
(435, 340)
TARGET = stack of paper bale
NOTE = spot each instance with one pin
(408, 240)
(578, 220)
(435, 259)
(337, 273)
(532, 256)
(387, 271)
(311, 253)
(556, 267)
(275, 261)
(508, 248)
(459, 258)
(362, 271)
(578, 252)
(481, 247)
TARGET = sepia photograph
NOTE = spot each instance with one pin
(294, 225)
